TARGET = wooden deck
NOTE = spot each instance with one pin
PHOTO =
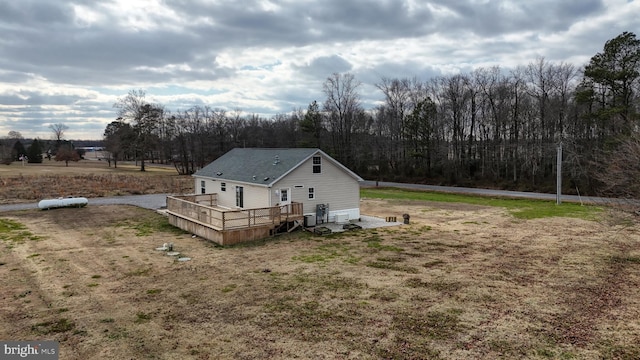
(200, 215)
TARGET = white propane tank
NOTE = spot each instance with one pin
(62, 202)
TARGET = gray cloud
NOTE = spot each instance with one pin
(323, 66)
(267, 56)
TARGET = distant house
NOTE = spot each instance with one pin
(294, 184)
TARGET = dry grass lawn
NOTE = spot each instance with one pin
(87, 178)
(459, 282)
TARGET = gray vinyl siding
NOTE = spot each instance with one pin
(332, 186)
(254, 196)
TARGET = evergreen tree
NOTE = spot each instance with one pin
(611, 76)
(34, 152)
(18, 150)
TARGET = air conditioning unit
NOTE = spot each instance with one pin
(342, 218)
(309, 220)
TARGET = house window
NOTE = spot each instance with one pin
(317, 164)
(312, 193)
(284, 195)
(239, 196)
(223, 186)
(203, 188)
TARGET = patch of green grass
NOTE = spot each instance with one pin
(407, 347)
(15, 232)
(435, 325)
(503, 347)
(107, 320)
(375, 242)
(7, 225)
(441, 244)
(391, 266)
(391, 259)
(519, 208)
(92, 285)
(96, 276)
(439, 285)
(327, 252)
(53, 327)
(139, 272)
(118, 333)
(154, 291)
(331, 284)
(33, 255)
(384, 295)
(148, 224)
(142, 317)
(617, 259)
(229, 288)
(308, 320)
(433, 263)
(612, 350)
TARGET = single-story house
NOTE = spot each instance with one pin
(258, 177)
(250, 193)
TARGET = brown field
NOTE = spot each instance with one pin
(459, 282)
(87, 178)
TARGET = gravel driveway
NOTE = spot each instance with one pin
(153, 202)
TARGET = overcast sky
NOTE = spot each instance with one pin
(69, 61)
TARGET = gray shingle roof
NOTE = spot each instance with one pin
(259, 165)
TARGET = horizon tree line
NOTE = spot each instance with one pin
(489, 127)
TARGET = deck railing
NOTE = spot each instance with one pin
(201, 208)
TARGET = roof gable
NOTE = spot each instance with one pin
(261, 166)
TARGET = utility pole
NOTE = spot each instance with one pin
(559, 176)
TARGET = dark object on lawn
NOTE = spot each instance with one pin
(322, 230)
(406, 218)
(351, 227)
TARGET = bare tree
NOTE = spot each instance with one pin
(58, 131)
(145, 118)
(343, 109)
(15, 135)
(619, 170)
(398, 103)
(67, 153)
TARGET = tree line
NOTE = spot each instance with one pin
(14, 147)
(489, 127)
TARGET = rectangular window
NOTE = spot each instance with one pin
(239, 196)
(223, 186)
(312, 194)
(317, 164)
(284, 195)
(203, 188)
